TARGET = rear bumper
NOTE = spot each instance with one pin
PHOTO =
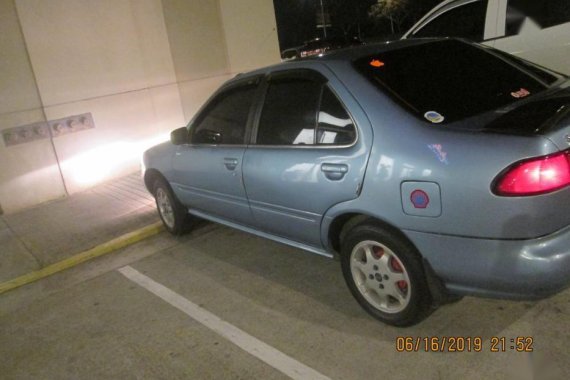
(514, 269)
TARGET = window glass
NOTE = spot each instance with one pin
(425, 81)
(289, 113)
(334, 124)
(534, 14)
(465, 21)
(225, 119)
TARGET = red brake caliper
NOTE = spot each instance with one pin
(396, 267)
(377, 252)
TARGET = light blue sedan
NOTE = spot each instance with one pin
(433, 168)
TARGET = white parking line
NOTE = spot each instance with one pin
(248, 343)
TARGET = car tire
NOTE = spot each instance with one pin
(384, 272)
(173, 214)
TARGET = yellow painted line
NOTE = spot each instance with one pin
(100, 250)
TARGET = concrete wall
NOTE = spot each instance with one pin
(250, 31)
(198, 46)
(140, 67)
(28, 173)
(110, 58)
(212, 41)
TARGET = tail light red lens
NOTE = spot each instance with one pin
(536, 176)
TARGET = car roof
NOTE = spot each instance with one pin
(350, 54)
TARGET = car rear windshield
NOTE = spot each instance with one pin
(449, 80)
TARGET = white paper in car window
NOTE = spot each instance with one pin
(325, 118)
(305, 137)
(329, 137)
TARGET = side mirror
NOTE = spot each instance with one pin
(179, 136)
(207, 136)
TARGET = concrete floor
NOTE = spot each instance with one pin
(92, 322)
(53, 231)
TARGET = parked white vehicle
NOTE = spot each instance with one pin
(538, 31)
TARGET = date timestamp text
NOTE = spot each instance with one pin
(464, 344)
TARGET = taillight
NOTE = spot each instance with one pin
(539, 175)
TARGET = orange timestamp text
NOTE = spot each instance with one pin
(463, 344)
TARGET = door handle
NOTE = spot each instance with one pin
(334, 172)
(230, 163)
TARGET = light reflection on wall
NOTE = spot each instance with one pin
(103, 162)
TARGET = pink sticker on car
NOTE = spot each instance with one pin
(523, 92)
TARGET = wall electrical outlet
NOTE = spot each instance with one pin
(54, 128)
(71, 124)
(25, 133)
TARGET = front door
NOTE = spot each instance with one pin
(208, 171)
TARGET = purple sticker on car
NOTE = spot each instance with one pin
(439, 152)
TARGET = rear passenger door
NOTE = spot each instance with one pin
(307, 154)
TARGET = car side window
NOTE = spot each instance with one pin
(303, 112)
(289, 113)
(224, 120)
(465, 21)
(531, 14)
(335, 127)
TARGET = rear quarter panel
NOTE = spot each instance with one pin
(403, 151)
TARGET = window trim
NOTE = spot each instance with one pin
(306, 74)
(301, 74)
